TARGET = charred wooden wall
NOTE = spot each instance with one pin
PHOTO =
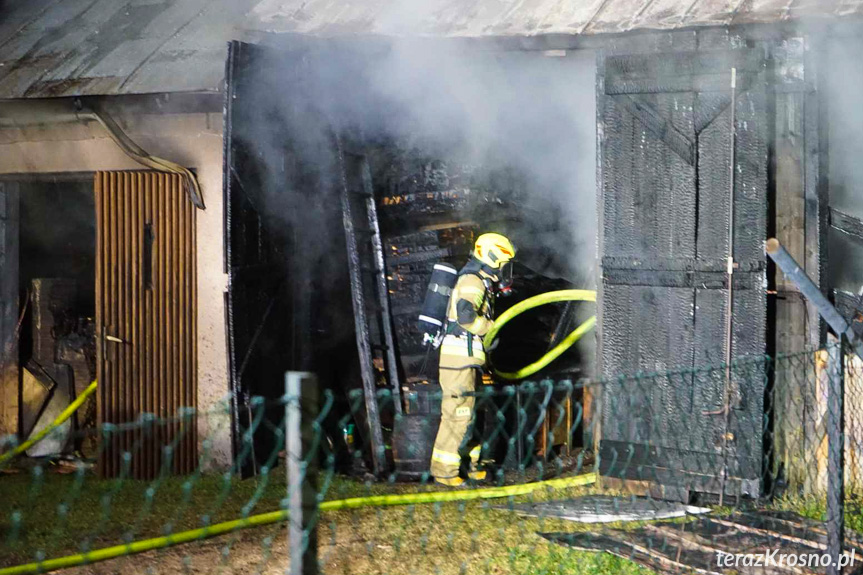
(661, 253)
(288, 301)
(665, 182)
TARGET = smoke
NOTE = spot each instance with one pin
(517, 113)
(844, 75)
(523, 123)
(523, 120)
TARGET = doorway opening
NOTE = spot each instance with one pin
(448, 143)
(56, 293)
(102, 267)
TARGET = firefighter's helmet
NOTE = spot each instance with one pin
(493, 250)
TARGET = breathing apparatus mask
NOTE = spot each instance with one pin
(504, 279)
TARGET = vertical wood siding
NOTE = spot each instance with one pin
(145, 313)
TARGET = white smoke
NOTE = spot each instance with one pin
(521, 111)
(844, 82)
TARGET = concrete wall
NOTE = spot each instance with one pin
(195, 141)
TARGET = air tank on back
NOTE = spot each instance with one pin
(433, 313)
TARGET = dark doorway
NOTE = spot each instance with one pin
(482, 142)
(58, 235)
(56, 253)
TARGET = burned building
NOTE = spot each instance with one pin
(606, 137)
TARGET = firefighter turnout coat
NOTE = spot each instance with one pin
(462, 356)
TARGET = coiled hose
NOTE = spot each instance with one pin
(536, 301)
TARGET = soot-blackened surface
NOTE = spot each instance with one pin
(665, 218)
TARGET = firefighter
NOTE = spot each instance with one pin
(470, 315)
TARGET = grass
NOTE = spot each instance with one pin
(814, 507)
(62, 514)
(65, 514)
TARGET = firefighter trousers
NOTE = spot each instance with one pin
(457, 413)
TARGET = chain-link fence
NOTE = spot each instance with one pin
(690, 470)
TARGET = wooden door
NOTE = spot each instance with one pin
(146, 326)
(665, 187)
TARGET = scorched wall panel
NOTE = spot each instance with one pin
(665, 187)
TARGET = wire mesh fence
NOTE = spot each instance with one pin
(693, 470)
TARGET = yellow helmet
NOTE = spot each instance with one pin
(493, 250)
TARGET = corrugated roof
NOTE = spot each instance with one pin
(89, 47)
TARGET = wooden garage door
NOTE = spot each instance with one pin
(145, 316)
(666, 136)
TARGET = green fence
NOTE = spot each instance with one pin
(622, 475)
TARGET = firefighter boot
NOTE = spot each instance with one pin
(475, 473)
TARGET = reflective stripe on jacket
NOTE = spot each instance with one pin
(464, 346)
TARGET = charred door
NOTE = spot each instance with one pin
(289, 294)
(145, 318)
(264, 332)
(665, 185)
(285, 250)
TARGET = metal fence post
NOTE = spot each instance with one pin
(836, 456)
(301, 409)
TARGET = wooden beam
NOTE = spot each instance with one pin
(846, 224)
(9, 312)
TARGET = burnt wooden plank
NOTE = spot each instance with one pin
(703, 534)
(700, 264)
(792, 316)
(682, 279)
(688, 71)
(653, 331)
(750, 183)
(661, 43)
(655, 551)
(845, 223)
(651, 489)
(660, 127)
(684, 63)
(815, 193)
(650, 206)
(790, 529)
(804, 524)
(682, 480)
(641, 455)
(695, 545)
(747, 378)
(701, 83)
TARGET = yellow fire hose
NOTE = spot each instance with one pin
(351, 503)
(277, 516)
(66, 414)
(536, 301)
